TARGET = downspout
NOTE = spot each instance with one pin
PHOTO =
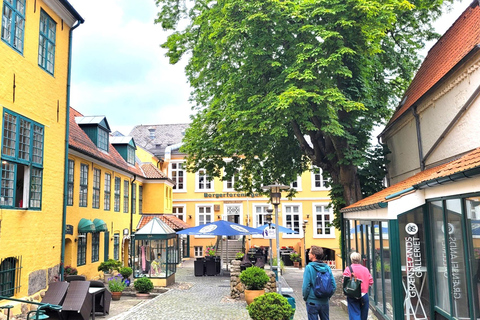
(67, 134)
(419, 138)
(132, 203)
(169, 149)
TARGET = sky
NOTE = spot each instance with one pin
(120, 71)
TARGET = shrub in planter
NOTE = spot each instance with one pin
(254, 278)
(272, 306)
(143, 285)
(109, 265)
(125, 272)
(70, 271)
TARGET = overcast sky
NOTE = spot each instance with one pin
(120, 71)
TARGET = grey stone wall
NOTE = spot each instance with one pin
(237, 289)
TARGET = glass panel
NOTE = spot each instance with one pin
(8, 178)
(7, 23)
(378, 292)
(9, 134)
(36, 188)
(442, 296)
(473, 224)
(456, 259)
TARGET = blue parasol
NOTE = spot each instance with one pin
(220, 228)
(273, 226)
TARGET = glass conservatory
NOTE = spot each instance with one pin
(155, 253)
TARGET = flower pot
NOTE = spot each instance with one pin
(142, 295)
(116, 295)
(296, 264)
(107, 276)
(250, 295)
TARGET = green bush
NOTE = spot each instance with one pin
(70, 271)
(109, 265)
(254, 278)
(125, 272)
(271, 306)
(143, 285)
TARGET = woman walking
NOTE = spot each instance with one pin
(358, 308)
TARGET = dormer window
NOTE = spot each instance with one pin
(102, 141)
(126, 148)
(97, 129)
(130, 155)
(151, 132)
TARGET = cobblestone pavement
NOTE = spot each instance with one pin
(208, 298)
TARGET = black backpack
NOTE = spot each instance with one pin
(323, 286)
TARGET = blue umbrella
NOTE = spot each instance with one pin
(220, 228)
(273, 226)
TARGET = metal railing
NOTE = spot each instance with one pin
(38, 313)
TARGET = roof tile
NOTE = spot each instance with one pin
(171, 220)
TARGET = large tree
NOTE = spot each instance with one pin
(279, 85)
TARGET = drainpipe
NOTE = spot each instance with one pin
(132, 203)
(67, 134)
(169, 149)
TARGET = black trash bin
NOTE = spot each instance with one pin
(199, 267)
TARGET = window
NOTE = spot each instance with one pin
(46, 43)
(292, 216)
(322, 221)
(83, 201)
(178, 175)
(204, 182)
(130, 155)
(259, 212)
(140, 199)
(82, 249)
(116, 246)
(95, 246)
(71, 170)
(13, 23)
(318, 181)
(106, 197)
(297, 184)
(116, 201)
(22, 162)
(229, 184)
(96, 188)
(125, 196)
(179, 212)
(198, 251)
(9, 276)
(134, 198)
(204, 215)
(102, 139)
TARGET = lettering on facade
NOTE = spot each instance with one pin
(454, 261)
(229, 195)
(414, 259)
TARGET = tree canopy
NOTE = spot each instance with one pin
(280, 85)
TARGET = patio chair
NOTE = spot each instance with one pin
(55, 294)
(70, 278)
(260, 262)
(78, 301)
(102, 301)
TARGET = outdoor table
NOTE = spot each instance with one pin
(94, 291)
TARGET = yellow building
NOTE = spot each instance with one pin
(199, 200)
(34, 71)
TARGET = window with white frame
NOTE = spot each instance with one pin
(292, 216)
(204, 214)
(318, 182)
(203, 181)
(229, 184)
(198, 251)
(179, 211)
(297, 184)
(178, 174)
(259, 212)
(102, 139)
(322, 221)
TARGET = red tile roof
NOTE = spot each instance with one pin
(469, 161)
(152, 172)
(171, 220)
(462, 37)
(78, 140)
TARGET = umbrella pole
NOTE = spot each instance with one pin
(227, 252)
(270, 254)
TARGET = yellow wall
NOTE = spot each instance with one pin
(159, 197)
(116, 221)
(35, 235)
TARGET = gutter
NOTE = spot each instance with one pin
(67, 137)
(450, 178)
(373, 206)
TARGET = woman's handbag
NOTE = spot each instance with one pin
(352, 286)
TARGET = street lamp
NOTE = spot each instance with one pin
(275, 196)
(304, 227)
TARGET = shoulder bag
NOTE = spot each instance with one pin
(352, 286)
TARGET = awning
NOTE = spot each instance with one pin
(85, 226)
(100, 225)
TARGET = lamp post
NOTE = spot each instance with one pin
(268, 219)
(275, 196)
(304, 227)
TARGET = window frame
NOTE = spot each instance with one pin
(71, 182)
(116, 246)
(134, 198)
(97, 173)
(322, 180)
(43, 59)
(140, 199)
(95, 246)
(184, 211)
(176, 177)
(116, 195)
(198, 208)
(130, 155)
(209, 184)
(314, 228)
(83, 192)
(300, 220)
(82, 249)
(126, 192)
(298, 182)
(14, 24)
(107, 191)
(102, 139)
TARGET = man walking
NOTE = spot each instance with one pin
(316, 307)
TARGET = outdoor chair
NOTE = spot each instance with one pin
(75, 278)
(55, 294)
(102, 301)
(78, 301)
(260, 262)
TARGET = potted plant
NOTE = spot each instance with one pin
(108, 267)
(126, 272)
(254, 280)
(239, 255)
(295, 257)
(143, 286)
(272, 306)
(116, 285)
(210, 252)
(70, 271)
